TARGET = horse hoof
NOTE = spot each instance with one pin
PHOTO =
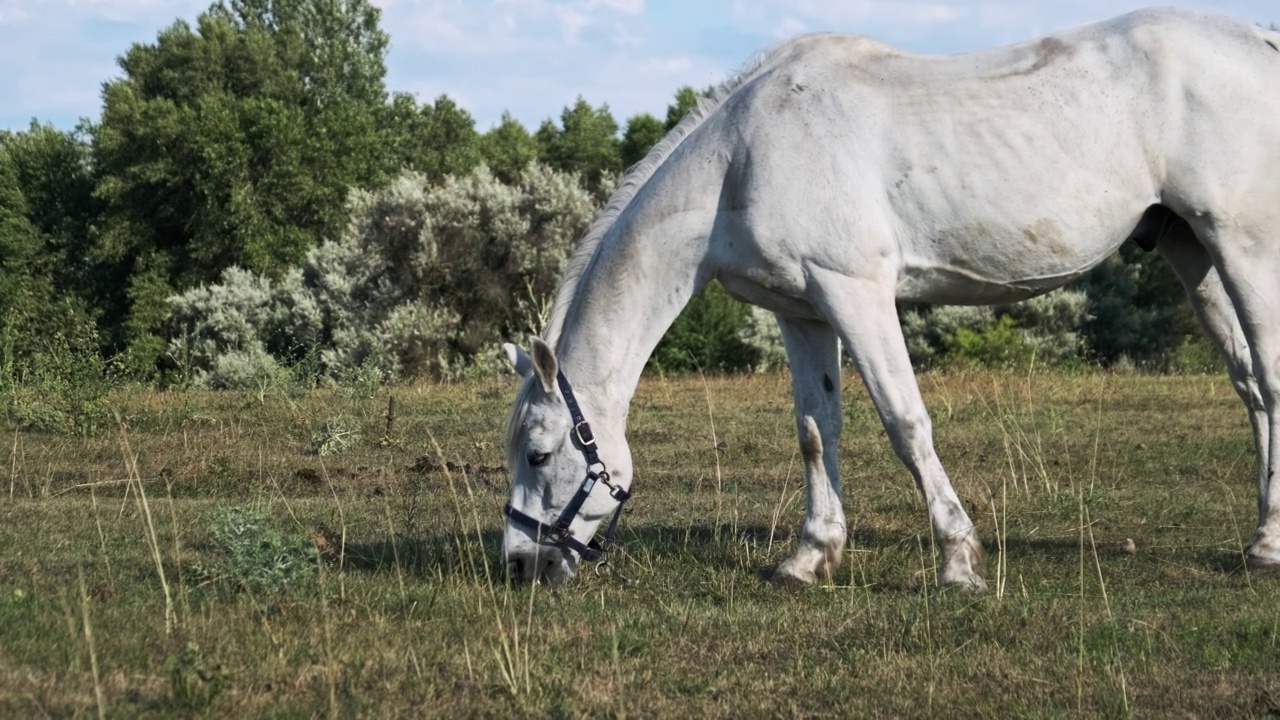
(791, 578)
(973, 583)
(1262, 566)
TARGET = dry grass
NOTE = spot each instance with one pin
(405, 616)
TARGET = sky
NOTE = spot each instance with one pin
(533, 58)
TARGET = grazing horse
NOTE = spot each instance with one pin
(838, 176)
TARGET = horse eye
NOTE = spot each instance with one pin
(536, 459)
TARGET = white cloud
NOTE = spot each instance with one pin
(533, 57)
(626, 7)
(665, 67)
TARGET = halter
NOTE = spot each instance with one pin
(558, 533)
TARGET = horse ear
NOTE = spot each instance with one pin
(544, 364)
(519, 359)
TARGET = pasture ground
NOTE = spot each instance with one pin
(109, 601)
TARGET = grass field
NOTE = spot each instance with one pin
(265, 554)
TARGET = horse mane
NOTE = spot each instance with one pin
(585, 252)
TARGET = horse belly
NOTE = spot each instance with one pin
(981, 266)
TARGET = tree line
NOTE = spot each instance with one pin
(263, 133)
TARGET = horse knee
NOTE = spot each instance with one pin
(912, 436)
(810, 440)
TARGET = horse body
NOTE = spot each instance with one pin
(840, 175)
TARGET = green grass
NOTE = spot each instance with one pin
(405, 615)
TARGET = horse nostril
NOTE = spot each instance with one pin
(516, 568)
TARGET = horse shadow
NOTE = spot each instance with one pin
(713, 548)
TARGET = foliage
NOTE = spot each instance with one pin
(51, 376)
(508, 149)
(1044, 328)
(435, 140)
(996, 345)
(234, 143)
(257, 556)
(426, 279)
(585, 143)
(707, 335)
(1139, 311)
(762, 334)
(686, 102)
(642, 133)
(337, 435)
(193, 683)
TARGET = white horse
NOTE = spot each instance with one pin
(838, 176)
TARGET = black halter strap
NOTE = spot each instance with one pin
(558, 533)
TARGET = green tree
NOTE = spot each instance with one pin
(642, 133)
(434, 140)
(508, 149)
(234, 143)
(54, 172)
(686, 101)
(586, 143)
(1138, 310)
(708, 335)
(39, 319)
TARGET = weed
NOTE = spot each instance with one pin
(194, 683)
(337, 435)
(257, 556)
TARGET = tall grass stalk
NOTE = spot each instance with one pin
(342, 520)
(1106, 603)
(512, 655)
(13, 462)
(102, 539)
(93, 651)
(1000, 519)
(395, 553)
(131, 466)
(715, 446)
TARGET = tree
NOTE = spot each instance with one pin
(434, 140)
(708, 335)
(509, 148)
(586, 143)
(38, 318)
(642, 133)
(686, 101)
(234, 144)
(54, 172)
(1139, 310)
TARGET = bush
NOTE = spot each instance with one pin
(1046, 328)
(707, 335)
(58, 383)
(427, 279)
(255, 555)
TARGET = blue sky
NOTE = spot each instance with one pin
(533, 57)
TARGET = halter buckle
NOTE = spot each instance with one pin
(558, 533)
(583, 431)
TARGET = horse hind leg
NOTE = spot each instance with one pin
(863, 311)
(1249, 267)
(814, 353)
(1217, 315)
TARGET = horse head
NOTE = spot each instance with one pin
(568, 476)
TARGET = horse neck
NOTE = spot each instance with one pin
(648, 266)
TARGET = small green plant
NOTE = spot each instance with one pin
(194, 684)
(1000, 344)
(256, 555)
(335, 437)
(59, 388)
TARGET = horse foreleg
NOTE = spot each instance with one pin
(864, 313)
(1217, 315)
(814, 353)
